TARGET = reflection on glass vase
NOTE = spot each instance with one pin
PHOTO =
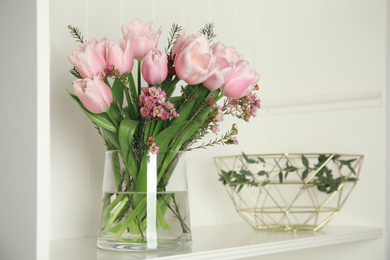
(145, 203)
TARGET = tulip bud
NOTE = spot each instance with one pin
(94, 94)
(90, 58)
(241, 81)
(143, 38)
(120, 57)
(155, 66)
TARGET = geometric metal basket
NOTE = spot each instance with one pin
(289, 192)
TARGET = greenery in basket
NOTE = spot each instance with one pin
(324, 180)
(138, 118)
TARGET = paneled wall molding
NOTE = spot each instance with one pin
(43, 131)
(387, 135)
(323, 102)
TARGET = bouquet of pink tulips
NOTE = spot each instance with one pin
(138, 118)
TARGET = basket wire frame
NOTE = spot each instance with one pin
(296, 203)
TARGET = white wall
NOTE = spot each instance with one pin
(18, 131)
(323, 68)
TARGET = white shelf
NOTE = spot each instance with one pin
(234, 241)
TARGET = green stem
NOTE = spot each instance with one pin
(112, 119)
(114, 203)
(139, 77)
(133, 227)
(149, 129)
(158, 127)
(130, 103)
(131, 217)
(160, 216)
(171, 88)
(116, 170)
(115, 214)
(217, 98)
(134, 96)
(148, 125)
(134, 93)
(167, 166)
(106, 81)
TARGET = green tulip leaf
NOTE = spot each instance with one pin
(141, 183)
(165, 137)
(126, 132)
(190, 129)
(111, 139)
(184, 112)
(117, 91)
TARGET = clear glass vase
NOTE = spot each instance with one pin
(145, 203)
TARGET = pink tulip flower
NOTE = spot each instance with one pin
(94, 94)
(155, 66)
(194, 62)
(241, 81)
(180, 41)
(120, 57)
(143, 38)
(215, 81)
(225, 58)
(229, 53)
(90, 58)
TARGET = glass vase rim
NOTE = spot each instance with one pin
(162, 151)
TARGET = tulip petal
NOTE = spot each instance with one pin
(241, 81)
(143, 38)
(94, 94)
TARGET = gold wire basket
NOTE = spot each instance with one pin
(289, 192)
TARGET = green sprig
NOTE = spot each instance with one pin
(222, 140)
(75, 73)
(208, 31)
(173, 35)
(75, 32)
